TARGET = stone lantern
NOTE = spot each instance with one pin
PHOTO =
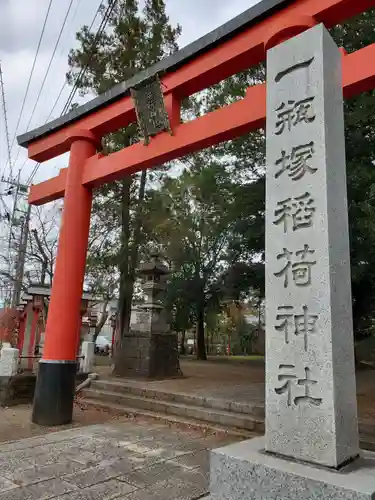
(150, 348)
(151, 314)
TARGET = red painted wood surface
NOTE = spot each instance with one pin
(63, 322)
(212, 128)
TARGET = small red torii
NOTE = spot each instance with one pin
(237, 45)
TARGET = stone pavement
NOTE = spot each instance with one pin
(110, 461)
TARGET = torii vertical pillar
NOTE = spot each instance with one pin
(54, 391)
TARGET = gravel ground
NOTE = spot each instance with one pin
(15, 423)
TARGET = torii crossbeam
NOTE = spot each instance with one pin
(237, 45)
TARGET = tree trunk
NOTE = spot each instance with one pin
(201, 348)
(182, 346)
(102, 320)
(129, 255)
(44, 257)
(123, 261)
(132, 253)
(43, 273)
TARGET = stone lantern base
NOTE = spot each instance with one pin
(149, 349)
(148, 356)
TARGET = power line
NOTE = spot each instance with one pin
(36, 167)
(32, 72)
(61, 91)
(46, 74)
(65, 82)
(99, 32)
(50, 62)
(57, 100)
(5, 120)
(32, 175)
(64, 45)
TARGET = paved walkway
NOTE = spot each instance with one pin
(108, 461)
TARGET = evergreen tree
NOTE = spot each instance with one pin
(360, 156)
(209, 221)
(134, 41)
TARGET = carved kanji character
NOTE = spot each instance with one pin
(291, 381)
(301, 324)
(292, 113)
(305, 324)
(284, 319)
(299, 209)
(297, 163)
(285, 270)
(301, 270)
(307, 398)
(287, 387)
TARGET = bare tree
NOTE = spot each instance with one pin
(42, 247)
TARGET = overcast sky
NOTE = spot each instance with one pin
(20, 27)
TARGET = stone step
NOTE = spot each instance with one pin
(155, 402)
(367, 442)
(224, 418)
(255, 409)
(169, 419)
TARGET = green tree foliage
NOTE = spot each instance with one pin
(245, 160)
(208, 219)
(360, 157)
(134, 41)
(197, 219)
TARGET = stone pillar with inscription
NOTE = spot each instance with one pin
(311, 447)
(150, 348)
(311, 410)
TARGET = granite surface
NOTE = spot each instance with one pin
(243, 471)
(311, 409)
(103, 462)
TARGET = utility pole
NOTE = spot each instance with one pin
(18, 189)
(21, 257)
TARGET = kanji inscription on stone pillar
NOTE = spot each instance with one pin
(311, 408)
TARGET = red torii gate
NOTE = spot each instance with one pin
(237, 45)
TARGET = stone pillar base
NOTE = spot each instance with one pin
(152, 356)
(54, 393)
(243, 471)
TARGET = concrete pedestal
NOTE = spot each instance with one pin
(86, 364)
(244, 471)
(8, 361)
